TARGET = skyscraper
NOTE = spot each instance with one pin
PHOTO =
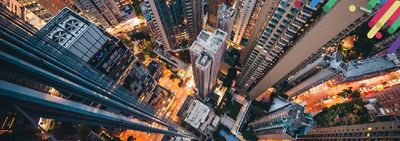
(206, 56)
(245, 9)
(389, 130)
(266, 67)
(284, 121)
(286, 20)
(90, 43)
(32, 64)
(178, 22)
(101, 12)
(251, 16)
(321, 70)
(225, 19)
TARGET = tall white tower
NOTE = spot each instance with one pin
(206, 56)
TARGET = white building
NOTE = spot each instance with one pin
(202, 118)
(225, 19)
(245, 10)
(206, 53)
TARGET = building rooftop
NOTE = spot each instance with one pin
(197, 114)
(204, 60)
(153, 67)
(278, 103)
(226, 12)
(209, 42)
(371, 65)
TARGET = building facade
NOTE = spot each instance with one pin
(156, 69)
(321, 70)
(251, 18)
(177, 22)
(212, 14)
(367, 68)
(260, 74)
(34, 82)
(102, 12)
(139, 81)
(206, 57)
(282, 28)
(284, 121)
(225, 19)
(389, 130)
(244, 11)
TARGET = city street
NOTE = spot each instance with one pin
(180, 92)
(171, 111)
(324, 96)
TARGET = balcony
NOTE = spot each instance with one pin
(301, 19)
(306, 12)
(297, 24)
(289, 34)
(285, 38)
(292, 29)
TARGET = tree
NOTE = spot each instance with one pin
(136, 7)
(131, 138)
(229, 77)
(232, 57)
(349, 93)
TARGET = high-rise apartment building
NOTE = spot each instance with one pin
(284, 121)
(225, 19)
(251, 17)
(102, 51)
(177, 22)
(330, 67)
(257, 24)
(266, 66)
(206, 57)
(321, 70)
(283, 26)
(101, 12)
(244, 12)
(90, 43)
(389, 130)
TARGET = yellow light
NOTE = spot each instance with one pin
(352, 8)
